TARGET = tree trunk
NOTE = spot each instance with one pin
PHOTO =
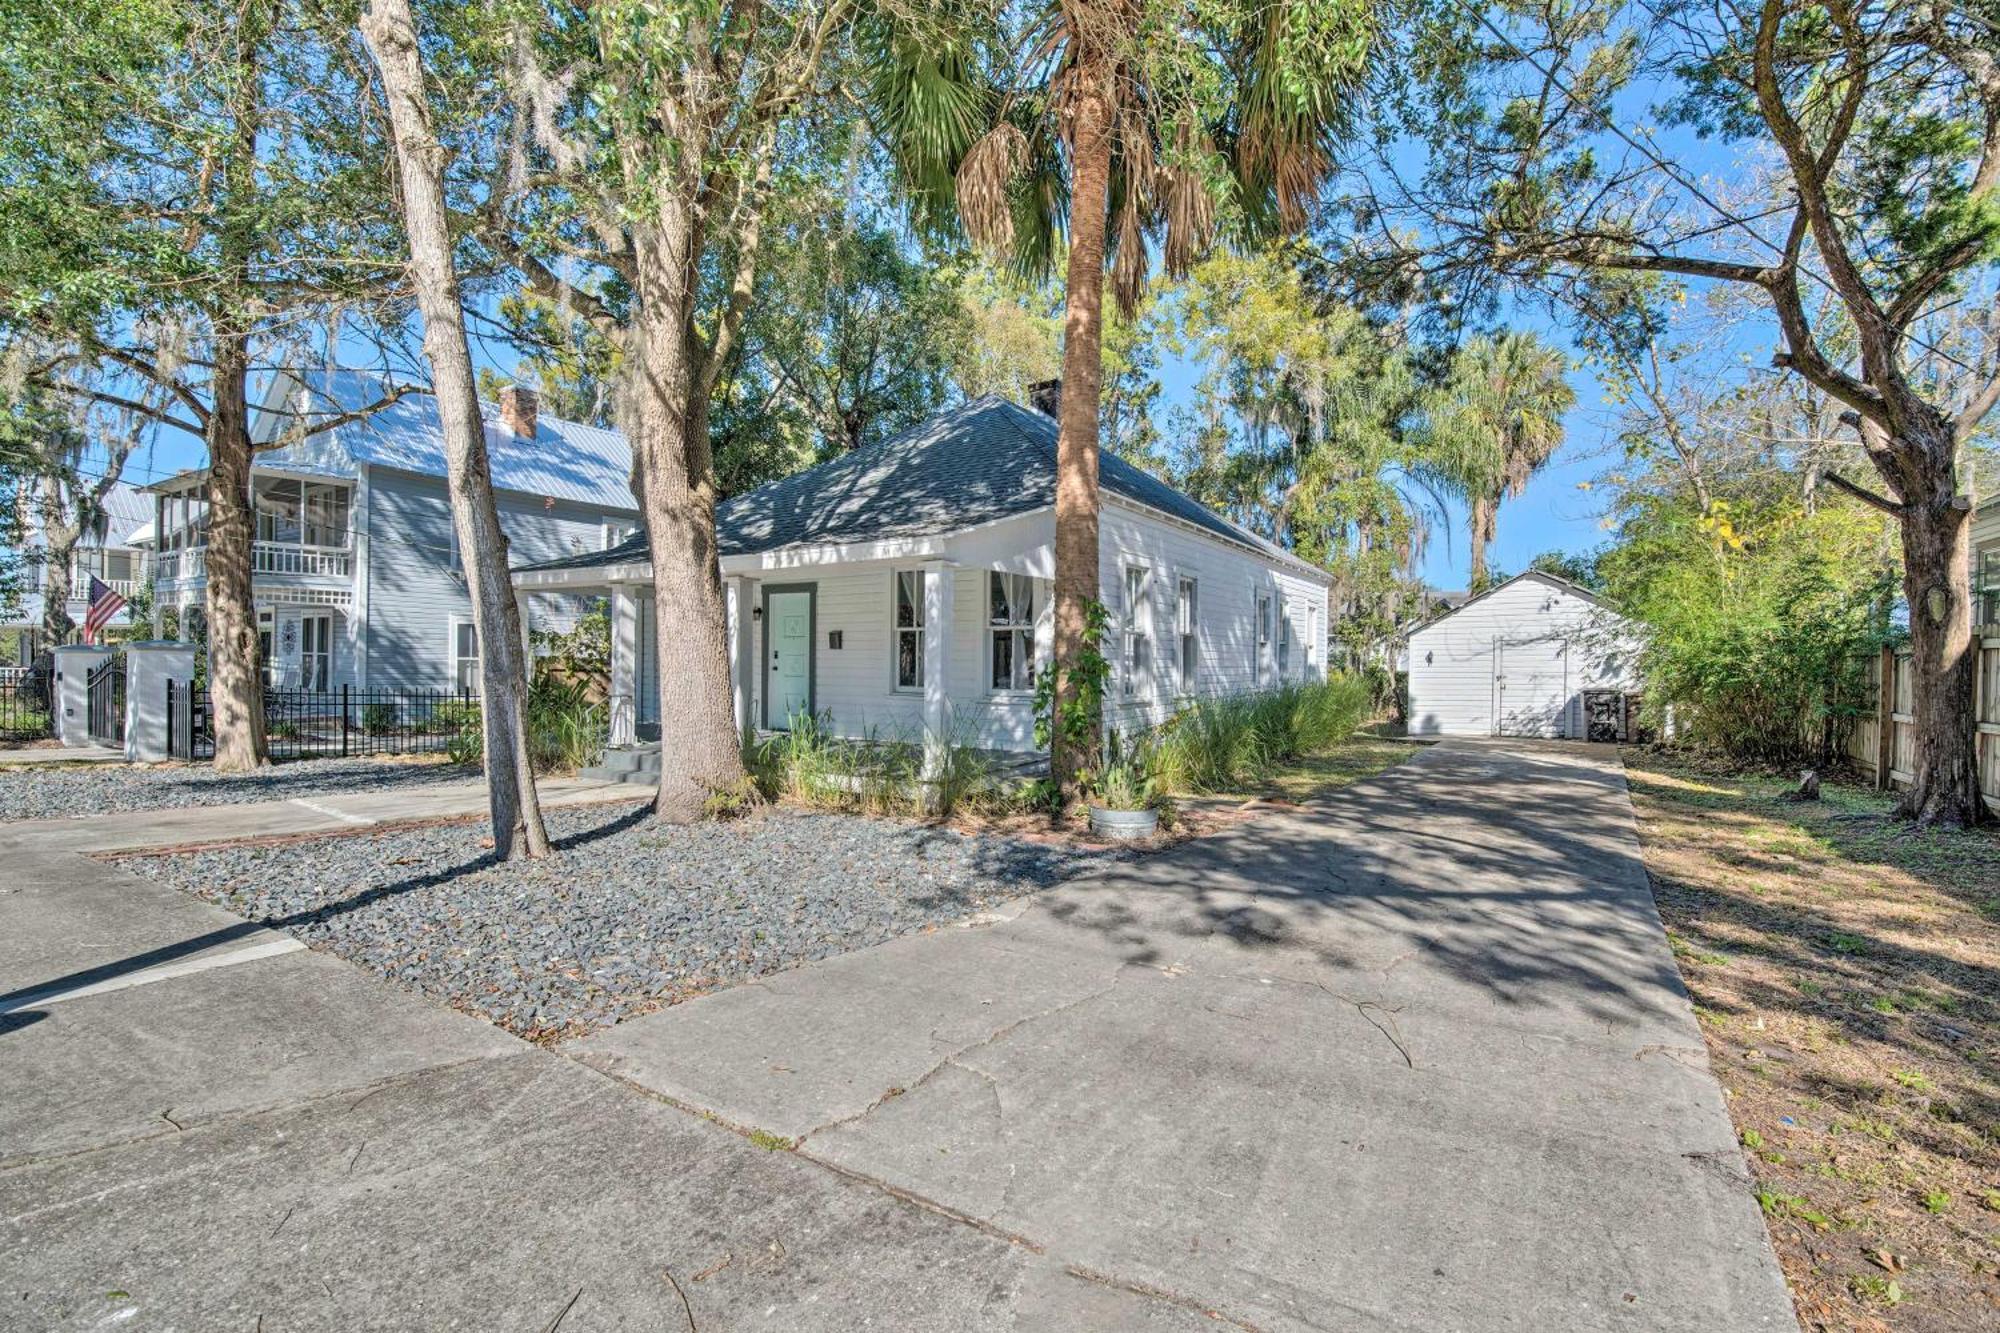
(391, 34)
(665, 416)
(235, 692)
(1076, 585)
(1482, 536)
(59, 538)
(1944, 658)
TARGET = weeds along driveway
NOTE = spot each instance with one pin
(1416, 1059)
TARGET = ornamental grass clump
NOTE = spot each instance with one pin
(1233, 742)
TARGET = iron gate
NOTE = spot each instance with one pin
(106, 689)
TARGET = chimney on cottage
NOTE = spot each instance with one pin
(1046, 395)
(518, 407)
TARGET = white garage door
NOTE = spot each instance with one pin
(1530, 687)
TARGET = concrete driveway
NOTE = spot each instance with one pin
(1418, 1059)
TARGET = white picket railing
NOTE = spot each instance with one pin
(265, 558)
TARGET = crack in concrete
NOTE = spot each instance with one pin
(223, 1119)
(1000, 1033)
(1163, 1294)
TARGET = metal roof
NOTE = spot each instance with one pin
(566, 460)
(988, 459)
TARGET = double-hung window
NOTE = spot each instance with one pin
(1135, 657)
(465, 656)
(1010, 632)
(907, 622)
(1186, 636)
(1986, 586)
(1284, 646)
(1261, 647)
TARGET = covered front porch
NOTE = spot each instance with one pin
(932, 642)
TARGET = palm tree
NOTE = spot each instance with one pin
(1496, 421)
(1128, 123)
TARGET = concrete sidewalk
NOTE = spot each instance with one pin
(179, 826)
(282, 1142)
(37, 756)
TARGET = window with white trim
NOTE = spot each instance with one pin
(465, 656)
(907, 630)
(1010, 632)
(1135, 656)
(615, 534)
(1284, 645)
(1187, 624)
(1261, 644)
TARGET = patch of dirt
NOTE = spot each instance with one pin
(1845, 967)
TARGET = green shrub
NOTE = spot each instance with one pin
(808, 764)
(1227, 743)
(566, 731)
(1129, 778)
(453, 715)
(1761, 619)
(378, 719)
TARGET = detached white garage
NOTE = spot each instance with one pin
(1534, 656)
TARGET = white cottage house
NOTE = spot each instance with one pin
(903, 590)
(1533, 656)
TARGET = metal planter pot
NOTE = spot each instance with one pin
(1123, 825)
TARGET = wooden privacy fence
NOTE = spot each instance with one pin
(1882, 741)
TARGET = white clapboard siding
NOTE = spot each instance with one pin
(1516, 661)
(855, 686)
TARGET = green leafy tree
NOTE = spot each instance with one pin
(1868, 213)
(623, 168)
(1127, 125)
(188, 198)
(1305, 432)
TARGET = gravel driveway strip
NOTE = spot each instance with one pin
(97, 789)
(628, 915)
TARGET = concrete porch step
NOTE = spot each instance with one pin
(636, 764)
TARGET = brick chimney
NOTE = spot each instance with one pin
(518, 407)
(1046, 395)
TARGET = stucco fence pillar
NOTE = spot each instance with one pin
(73, 666)
(148, 668)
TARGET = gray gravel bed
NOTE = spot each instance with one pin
(627, 915)
(43, 792)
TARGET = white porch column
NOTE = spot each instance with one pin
(527, 632)
(741, 596)
(624, 701)
(937, 663)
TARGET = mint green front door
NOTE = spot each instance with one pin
(788, 646)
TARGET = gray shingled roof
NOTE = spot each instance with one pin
(987, 460)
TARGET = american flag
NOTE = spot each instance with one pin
(105, 603)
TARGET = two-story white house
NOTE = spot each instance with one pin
(357, 578)
(113, 550)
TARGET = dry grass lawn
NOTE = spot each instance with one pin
(1846, 971)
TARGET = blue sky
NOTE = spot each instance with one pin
(1552, 514)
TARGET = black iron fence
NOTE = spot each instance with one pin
(27, 704)
(314, 724)
(104, 692)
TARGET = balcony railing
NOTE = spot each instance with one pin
(265, 558)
